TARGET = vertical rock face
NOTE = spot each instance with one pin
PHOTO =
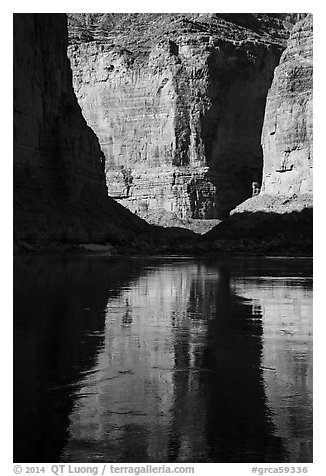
(287, 131)
(177, 102)
(279, 219)
(59, 182)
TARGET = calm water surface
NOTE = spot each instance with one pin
(162, 360)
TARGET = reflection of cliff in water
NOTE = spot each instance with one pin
(286, 306)
(59, 308)
(237, 426)
(149, 361)
(178, 377)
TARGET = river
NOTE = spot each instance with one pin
(162, 359)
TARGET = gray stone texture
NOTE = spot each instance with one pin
(177, 102)
(287, 136)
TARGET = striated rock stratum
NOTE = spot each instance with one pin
(177, 102)
(60, 193)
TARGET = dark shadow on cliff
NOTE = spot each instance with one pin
(262, 232)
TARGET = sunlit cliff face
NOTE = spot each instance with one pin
(179, 114)
(287, 135)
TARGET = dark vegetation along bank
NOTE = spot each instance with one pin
(175, 116)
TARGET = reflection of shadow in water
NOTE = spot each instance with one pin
(59, 308)
(228, 421)
(238, 391)
(286, 356)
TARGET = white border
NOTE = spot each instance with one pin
(318, 467)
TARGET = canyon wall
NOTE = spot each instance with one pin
(177, 102)
(287, 132)
(279, 219)
(60, 192)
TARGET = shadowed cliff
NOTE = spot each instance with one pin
(60, 194)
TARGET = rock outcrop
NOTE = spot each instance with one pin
(279, 218)
(60, 194)
(177, 102)
(287, 135)
(287, 131)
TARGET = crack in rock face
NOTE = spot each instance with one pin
(287, 136)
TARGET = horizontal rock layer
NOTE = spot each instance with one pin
(177, 102)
